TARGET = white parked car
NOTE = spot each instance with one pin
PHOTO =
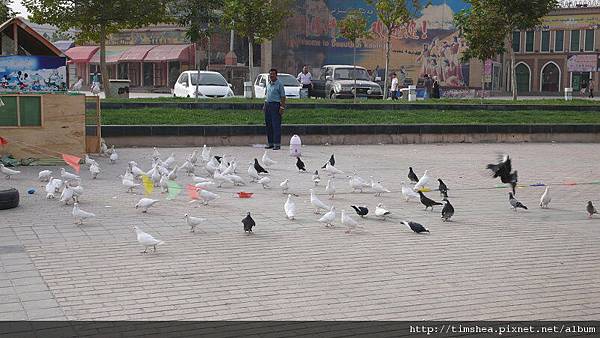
(291, 85)
(211, 84)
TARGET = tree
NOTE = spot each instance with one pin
(95, 19)
(393, 14)
(256, 20)
(517, 15)
(477, 25)
(353, 28)
(5, 11)
(200, 17)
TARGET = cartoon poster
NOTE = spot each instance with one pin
(429, 44)
(33, 73)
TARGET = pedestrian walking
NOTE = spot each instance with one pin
(428, 83)
(591, 88)
(274, 108)
(305, 79)
(435, 91)
(394, 87)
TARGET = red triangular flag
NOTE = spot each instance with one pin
(3, 141)
(192, 192)
(73, 161)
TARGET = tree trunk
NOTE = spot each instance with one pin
(513, 73)
(482, 80)
(197, 68)
(103, 68)
(208, 54)
(250, 63)
(354, 71)
(387, 64)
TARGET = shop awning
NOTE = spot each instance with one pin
(81, 54)
(168, 53)
(113, 54)
(136, 53)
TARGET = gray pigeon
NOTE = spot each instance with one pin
(416, 227)
(447, 211)
(514, 203)
(591, 209)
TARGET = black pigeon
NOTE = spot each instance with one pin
(218, 158)
(248, 223)
(412, 176)
(447, 210)
(427, 202)
(591, 210)
(503, 170)
(514, 203)
(331, 161)
(416, 227)
(300, 165)
(258, 167)
(443, 188)
(360, 211)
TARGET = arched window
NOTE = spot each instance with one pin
(523, 75)
(550, 77)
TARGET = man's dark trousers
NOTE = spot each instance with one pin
(273, 123)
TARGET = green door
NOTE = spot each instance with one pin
(522, 75)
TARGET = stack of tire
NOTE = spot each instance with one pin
(9, 198)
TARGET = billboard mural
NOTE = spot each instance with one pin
(33, 73)
(428, 45)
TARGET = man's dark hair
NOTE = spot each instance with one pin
(425, 75)
(273, 70)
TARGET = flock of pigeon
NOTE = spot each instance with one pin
(223, 170)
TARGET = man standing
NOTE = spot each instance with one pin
(591, 88)
(394, 88)
(305, 79)
(428, 86)
(274, 108)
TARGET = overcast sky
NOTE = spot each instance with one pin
(18, 7)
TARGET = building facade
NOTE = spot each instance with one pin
(561, 53)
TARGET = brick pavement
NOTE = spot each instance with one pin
(489, 263)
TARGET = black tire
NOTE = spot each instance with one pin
(9, 199)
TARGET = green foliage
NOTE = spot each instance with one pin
(354, 26)
(94, 18)
(200, 17)
(256, 20)
(5, 11)
(395, 13)
(478, 26)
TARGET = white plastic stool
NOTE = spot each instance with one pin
(295, 146)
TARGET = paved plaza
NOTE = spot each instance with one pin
(488, 263)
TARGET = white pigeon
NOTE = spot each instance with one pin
(358, 183)
(423, 181)
(316, 178)
(314, 200)
(188, 167)
(94, 170)
(164, 187)
(173, 174)
(80, 215)
(212, 165)
(145, 204)
(223, 165)
(230, 169)
(127, 175)
(332, 170)
(205, 153)
(89, 161)
(408, 193)
(113, 156)
(207, 196)
(156, 176)
(137, 172)
(348, 221)
(265, 181)
(193, 221)
(285, 185)
(103, 147)
(330, 189)
(51, 188)
(220, 178)
(290, 208)
(253, 173)
(146, 240)
(193, 158)
(57, 183)
(77, 192)
(329, 217)
(155, 154)
(237, 180)
(204, 185)
(44, 175)
(169, 161)
(66, 195)
(546, 198)
(67, 176)
(130, 185)
(267, 161)
(8, 172)
(381, 212)
(378, 187)
(198, 179)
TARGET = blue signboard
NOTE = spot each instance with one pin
(33, 73)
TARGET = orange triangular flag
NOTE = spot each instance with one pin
(3, 141)
(73, 161)
(192, 192)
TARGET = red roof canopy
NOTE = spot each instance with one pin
(136, 53)
(81, 54)
(168, 53)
